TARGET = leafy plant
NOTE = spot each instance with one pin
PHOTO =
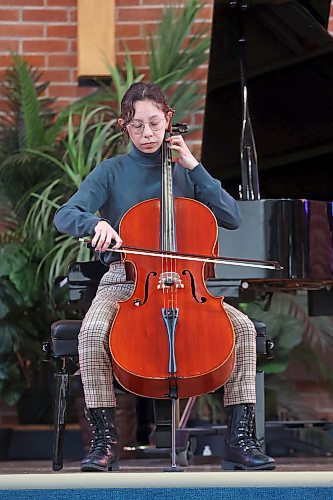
(29, 116)
(8, 221)
(121, 81)
(18, 327)
(29, 123)
(296, 337)
(25, 315)
(176, 51)
(85, 146)
(110, 96)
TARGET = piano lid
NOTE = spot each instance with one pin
(289, 72)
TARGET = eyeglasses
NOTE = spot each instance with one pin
(138, 126)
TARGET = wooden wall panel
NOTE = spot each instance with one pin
(96, 37)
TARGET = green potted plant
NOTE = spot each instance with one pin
(24, 315)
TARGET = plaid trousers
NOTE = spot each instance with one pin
(94, 353)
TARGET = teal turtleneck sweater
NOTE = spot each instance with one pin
(118, 183)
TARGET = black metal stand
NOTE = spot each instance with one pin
(174, 467)
(62, 389)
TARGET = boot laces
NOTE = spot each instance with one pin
(103, 434)
(248, 440)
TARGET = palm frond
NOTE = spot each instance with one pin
(317, 331)
(37, 222)
(185, 99)
(122, 80)
(174, 52)
(31, 130)
(88, 140)
(56, 261)
(298, 338)
(8, 220)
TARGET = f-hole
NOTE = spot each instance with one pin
(138, 302)
(194, 295)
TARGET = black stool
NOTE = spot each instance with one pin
(63, 347)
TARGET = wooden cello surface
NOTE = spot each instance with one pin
(204, 350)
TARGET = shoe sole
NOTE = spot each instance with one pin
(114, 467)
(226, 465)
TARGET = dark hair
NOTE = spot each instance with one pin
(139, 92)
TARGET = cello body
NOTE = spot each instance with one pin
(202, 355)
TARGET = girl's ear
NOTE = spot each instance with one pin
(121, 121)
(169, 116)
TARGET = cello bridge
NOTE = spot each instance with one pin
(169, 279)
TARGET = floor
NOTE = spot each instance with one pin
(284, 464)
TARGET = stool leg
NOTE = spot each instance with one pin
(60, 407)
(260, 409)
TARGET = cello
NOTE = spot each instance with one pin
(171, 338)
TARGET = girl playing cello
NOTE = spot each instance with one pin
(112, 188)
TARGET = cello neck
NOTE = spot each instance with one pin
(168, 227)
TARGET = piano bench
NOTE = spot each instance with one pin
(63, 346)
(64, 338)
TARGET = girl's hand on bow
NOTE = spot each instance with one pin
(183, 155)
(104, 234)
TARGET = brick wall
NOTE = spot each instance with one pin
(44, 31)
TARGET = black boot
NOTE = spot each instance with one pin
(242, 448)
(103, 454)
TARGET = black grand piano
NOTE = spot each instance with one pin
(268, 135)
